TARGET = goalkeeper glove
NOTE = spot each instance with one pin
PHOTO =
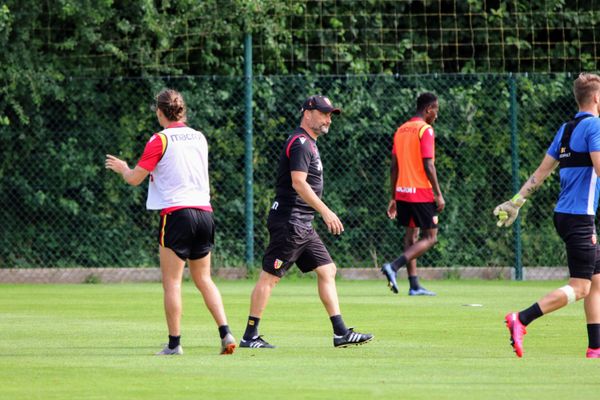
(508, 211)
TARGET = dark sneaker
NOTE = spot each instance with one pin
(177, 351)
(420, 292)
(517, 331)
(351, 338)
(228, 344)
(256, 343)
(390, 274)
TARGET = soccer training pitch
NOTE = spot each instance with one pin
(97, 342)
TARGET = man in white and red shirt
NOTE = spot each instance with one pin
(177, 161)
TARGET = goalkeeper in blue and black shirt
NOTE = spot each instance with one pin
(576, 149)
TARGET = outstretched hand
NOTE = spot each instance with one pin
(115, 164)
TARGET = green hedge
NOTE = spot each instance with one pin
(59, 206)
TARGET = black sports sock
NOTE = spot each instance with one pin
(174, 341)
(530, 314)
(339, 328)
(224, 330)
(414, 282)
(251, 328)
(399, 263)
(593, 336)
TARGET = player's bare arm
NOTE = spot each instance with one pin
(508, 211)
(391, 209)
(544, 170)
(132, 176)
(334, 225)
(595, 156)
(431, 173)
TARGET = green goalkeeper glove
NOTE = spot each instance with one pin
(508, 211)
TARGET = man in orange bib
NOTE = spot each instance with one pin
(416, 195)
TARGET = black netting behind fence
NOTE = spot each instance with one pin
(60, 207)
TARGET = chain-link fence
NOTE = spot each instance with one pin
(61, 208)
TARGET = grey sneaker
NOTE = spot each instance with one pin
(177, 351)
(390, 274)
(420, 292)
(228, 344)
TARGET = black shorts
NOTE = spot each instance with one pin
(417, 215)
(289, 244)
(189, 232)
(579, 234)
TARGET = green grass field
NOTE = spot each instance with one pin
(97, 341)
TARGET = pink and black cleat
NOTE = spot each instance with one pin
(517, 331)
(592, 353)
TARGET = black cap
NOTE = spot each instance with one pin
(320, 103)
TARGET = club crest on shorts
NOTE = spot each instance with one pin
(277, 264)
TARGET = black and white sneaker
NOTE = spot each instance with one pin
(256, 343)
(351, 338)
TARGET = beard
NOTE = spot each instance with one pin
(322, 129)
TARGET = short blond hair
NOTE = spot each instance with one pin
(585, 86)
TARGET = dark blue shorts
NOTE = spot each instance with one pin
(189, 232)
(579, 234)
(290, 243)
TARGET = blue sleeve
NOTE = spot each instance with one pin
(594, 135)
(554, 149)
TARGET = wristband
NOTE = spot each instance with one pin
(518, 200)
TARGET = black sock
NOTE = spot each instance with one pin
(414, 282)
(339, 328)
(174, 341)
(530, 314)
(593, 336)
(399, 263)
(224, 330)
(251, 328)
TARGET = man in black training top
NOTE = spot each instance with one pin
(292, 238)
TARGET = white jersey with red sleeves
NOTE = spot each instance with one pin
(178, 161)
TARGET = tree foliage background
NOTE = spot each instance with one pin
(77, 78)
